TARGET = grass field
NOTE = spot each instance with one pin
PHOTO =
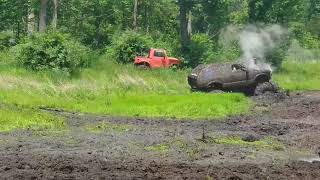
(122, 90)
(119, 90)
(299, 75)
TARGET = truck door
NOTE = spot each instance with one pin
(159, 58)
(238, 76)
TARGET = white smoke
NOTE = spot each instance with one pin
(255, 42)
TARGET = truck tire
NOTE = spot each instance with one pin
(142, 66)
(174, 67)
(217, 92)
(266, 87)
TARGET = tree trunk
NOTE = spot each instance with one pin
(189, 24)
(135, 15)
(146, 16)
(184, 25)
(43, 15)
(31, 21)
(55, 14)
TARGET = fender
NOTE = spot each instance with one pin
(142, 62)
(173, 61)
(262, 77)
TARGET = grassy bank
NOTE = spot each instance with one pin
(299, 75)
(15, 118)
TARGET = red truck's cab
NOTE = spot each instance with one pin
(157, 58)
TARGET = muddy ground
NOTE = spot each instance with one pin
(100, 147)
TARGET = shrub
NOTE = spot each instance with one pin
(276, 55)
(128, 45)
(7, 39)
(306, 39)
(201, 50)
(51, 50)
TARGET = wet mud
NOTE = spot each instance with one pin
(279, 139)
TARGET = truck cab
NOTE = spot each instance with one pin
(157, 58)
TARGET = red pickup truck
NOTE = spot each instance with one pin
(157, 58)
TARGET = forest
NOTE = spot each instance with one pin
(189, 29)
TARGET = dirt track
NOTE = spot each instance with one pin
(162, 149)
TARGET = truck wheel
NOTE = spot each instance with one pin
(266, 87)
(216, 92)
(143, 67)
(174, 67)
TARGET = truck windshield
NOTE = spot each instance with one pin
(159, 54)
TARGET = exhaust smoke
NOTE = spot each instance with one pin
(255, 42)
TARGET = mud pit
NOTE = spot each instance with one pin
(96, 147)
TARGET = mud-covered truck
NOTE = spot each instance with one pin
(232, 77)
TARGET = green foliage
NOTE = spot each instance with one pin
(13, 16)
(306, 39)
(238, 11)
(200, 50)
(129, 45)
(92, 22)
(277, 55)
(51, 51)
(278, 11)
(314, 25)
(7, 39)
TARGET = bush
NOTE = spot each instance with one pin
(201, 50)
(51, 50)
(7, 39)
(276, 55)
(306, 39)
(129, 45)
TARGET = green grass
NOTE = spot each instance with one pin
(299, 75)
(119, 90)
(266, 143)
(193, 106)
(162, 148)
(15, 118)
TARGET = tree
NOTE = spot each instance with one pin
(43, 15)
(184, 6)
(135, 15)
(55, 14)
(189, 29)
(31, 21)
